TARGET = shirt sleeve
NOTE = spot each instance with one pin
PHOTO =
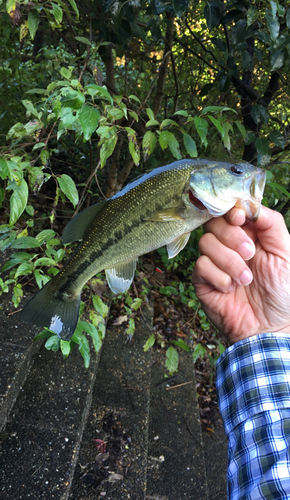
(253, 386)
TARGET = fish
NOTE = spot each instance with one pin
(160, 208)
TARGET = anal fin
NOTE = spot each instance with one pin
(120, 277)
(175, 246)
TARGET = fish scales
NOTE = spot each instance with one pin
(160, 208)
(100, 250)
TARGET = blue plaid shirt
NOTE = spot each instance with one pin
(253, 385)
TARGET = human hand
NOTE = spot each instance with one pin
(243, 275)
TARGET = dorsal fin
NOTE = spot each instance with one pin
(78, 225)
(175, 246)
(121, 276)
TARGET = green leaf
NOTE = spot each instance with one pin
(252, 15)
(180, 7)
(84, 346)
(241, 128)
(217, 124)
(93, 90)
(217, 109)
(277, 138)
(131, 328)
(4, 286)
(31, 110)
(68, 187)
(7, 242)
(44, 261)
(89, 118)
(152, 123)
(202, 128)
(166, 123)
(288, 18)
(10, 6)
(137, 303)
(53, 343)
(148, 143)
(277, 59)
(149, 343)
(181, 112)
(134, 115)
(24, 269)
(74, 6)
(274, 185)
(199, 351)
(65, 348)
(107, 149)
(100, 306)
(134, 151)
(180, 343)
(212, 13)
(73, 99)
(84, 40)
(68, 116)
(260, 114)
(44, 235)
(66, 73)
(168, 290)
(57, 12)
(33, 22)
(273, 26)
(18, 200)
(45, 334)
(115, 113)
(171, 362)
(221, 45)
(4, 169)
(25, 242)
(190, 145)
(262, 146)
(227, 127)
(150, 114)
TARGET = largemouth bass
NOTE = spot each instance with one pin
(160, 208)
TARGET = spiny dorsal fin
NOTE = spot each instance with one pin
(78, 225)
(175, 246)
(167, 214)
(121, 276)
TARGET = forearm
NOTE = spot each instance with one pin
(253, 384)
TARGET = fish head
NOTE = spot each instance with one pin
(218, 186)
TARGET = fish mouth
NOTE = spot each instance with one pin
(195, 201)
(251, 204)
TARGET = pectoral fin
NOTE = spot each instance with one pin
(166, 215)
(121, 276)
(175, 246)
(78, 225)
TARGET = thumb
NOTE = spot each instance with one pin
(272, 233)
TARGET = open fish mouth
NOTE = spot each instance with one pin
(195, 201)
(251, 203)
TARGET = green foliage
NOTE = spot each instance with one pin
(224, 91)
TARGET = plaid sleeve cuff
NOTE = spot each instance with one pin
(253, 376)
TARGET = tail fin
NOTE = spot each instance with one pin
(45, 309)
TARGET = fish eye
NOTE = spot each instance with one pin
(237, 169)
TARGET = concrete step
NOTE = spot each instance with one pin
(149, 441)
(17, 353)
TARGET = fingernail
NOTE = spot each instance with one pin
(246, 277)
(246, 250)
